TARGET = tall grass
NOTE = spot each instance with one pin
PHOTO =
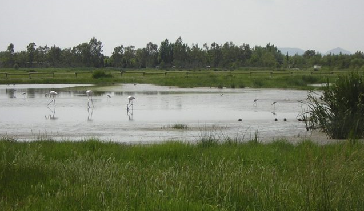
(204, 78)
(92, 175)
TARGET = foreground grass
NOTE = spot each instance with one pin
(185, 78)
(92, 175)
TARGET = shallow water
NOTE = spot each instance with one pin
(26, 113)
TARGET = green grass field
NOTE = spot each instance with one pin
(92, 175)
(257, 78)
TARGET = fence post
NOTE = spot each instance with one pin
(76, 75)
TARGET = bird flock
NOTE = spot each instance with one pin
(89, 93)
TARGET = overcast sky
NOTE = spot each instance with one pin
(319, 25)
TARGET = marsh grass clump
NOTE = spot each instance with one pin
(100, 74)
(179, 126)
(339, 110)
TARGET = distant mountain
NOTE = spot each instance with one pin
(291, 51)
(337, 51)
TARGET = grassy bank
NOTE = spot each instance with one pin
(182, 78)
(92, 175)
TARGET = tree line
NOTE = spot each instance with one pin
(173, 54)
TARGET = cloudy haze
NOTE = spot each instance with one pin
(319, 25)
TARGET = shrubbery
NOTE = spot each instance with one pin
(100, 74)
(339, 112)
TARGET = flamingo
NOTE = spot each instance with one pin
(131, 98)
(255, 102)
(89, 94)
(274, 105)
(52, 94)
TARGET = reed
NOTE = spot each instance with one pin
(96, 175)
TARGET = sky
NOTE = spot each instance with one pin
(319, 25)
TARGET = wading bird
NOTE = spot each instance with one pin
(255, 102)
(52, 94)
(130, 104)
(131, 98)
(274, 105)
(89, 94)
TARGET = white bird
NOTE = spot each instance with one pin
(52, 94)
(131, 98)
(109, 96)
(89, 94)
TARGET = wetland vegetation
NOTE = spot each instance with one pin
(93, 175)
(181, 78)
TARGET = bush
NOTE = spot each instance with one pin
(100, 74)
(339, 112)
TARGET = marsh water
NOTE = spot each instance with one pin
(28, 113)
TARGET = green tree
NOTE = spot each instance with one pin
(180, 53)
(214, 54)
(8, 58)
(31, 53)
(141, 57)
(82, 55)
(68, 58)
(197, 56)
(96, 56)
(129, 59)
(22, 59)
(357, 60)
(117, 56)
(54, 56)
(41, 54)
(152, 54)
(166, 53)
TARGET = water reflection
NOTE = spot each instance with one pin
(11, 93)
(52, 115)
(158, 107)
(130, 113)
(90, 112)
